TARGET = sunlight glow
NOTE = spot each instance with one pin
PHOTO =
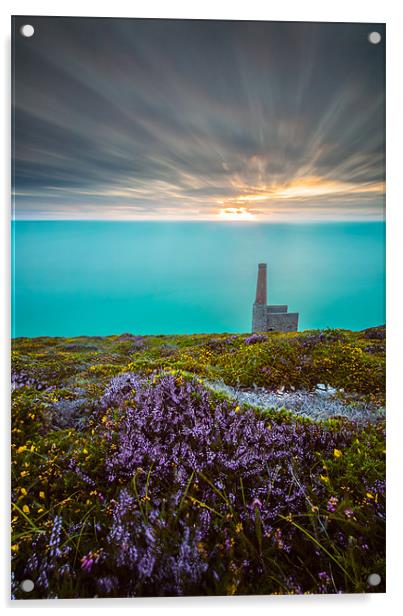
(305, 188)
(236, 213)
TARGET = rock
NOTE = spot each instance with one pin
(325, 390)
(375, 333)
(69, 413)
(317, 405)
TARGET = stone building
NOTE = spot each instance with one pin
(269, 318)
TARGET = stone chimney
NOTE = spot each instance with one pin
(270, 318)
(261, 287)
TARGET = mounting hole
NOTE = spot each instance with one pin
(374, 38)
(27, 30)
(374, 579)
(27, 585)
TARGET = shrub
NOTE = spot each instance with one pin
(170, 490)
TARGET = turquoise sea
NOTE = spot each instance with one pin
(75, 278)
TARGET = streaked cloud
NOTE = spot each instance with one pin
(198, 120)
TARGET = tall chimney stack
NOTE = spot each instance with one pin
(261, 287)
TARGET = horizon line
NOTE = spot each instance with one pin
(203, 220)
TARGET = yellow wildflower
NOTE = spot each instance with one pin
(324, 478)
(239, 527)
(369, 495)
(21, 449)
(200, 547)
(337, 453)
(23, 491)
(84, 450)
(104, 419)
(25, 509)
(15, 547)
(41, 494)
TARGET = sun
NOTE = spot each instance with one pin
(236, 213)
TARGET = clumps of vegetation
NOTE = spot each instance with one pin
(352, 361)
(143, 482)
(295, 361)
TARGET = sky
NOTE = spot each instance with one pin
(134, 119)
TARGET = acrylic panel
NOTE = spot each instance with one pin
(198, 307)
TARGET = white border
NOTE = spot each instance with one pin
(292, 10)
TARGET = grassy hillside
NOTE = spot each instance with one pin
(131, 478)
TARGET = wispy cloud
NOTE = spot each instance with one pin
(155, 119)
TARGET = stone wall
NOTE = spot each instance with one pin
(274, 308)
(282, 321)
(259, 319)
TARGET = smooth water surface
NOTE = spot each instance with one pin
(96, 278)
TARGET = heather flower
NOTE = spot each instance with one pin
(146, 564)
(138, 344)
(255, 338)
(149, 535)
(87, 562)
(74, 466)
(325, 582)
(194, 489)
(48, 558)
(119, 388)
(332, 504)
(341, 539)
(256, 504)
(54, 540)
(107, 584)
(91, 559)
